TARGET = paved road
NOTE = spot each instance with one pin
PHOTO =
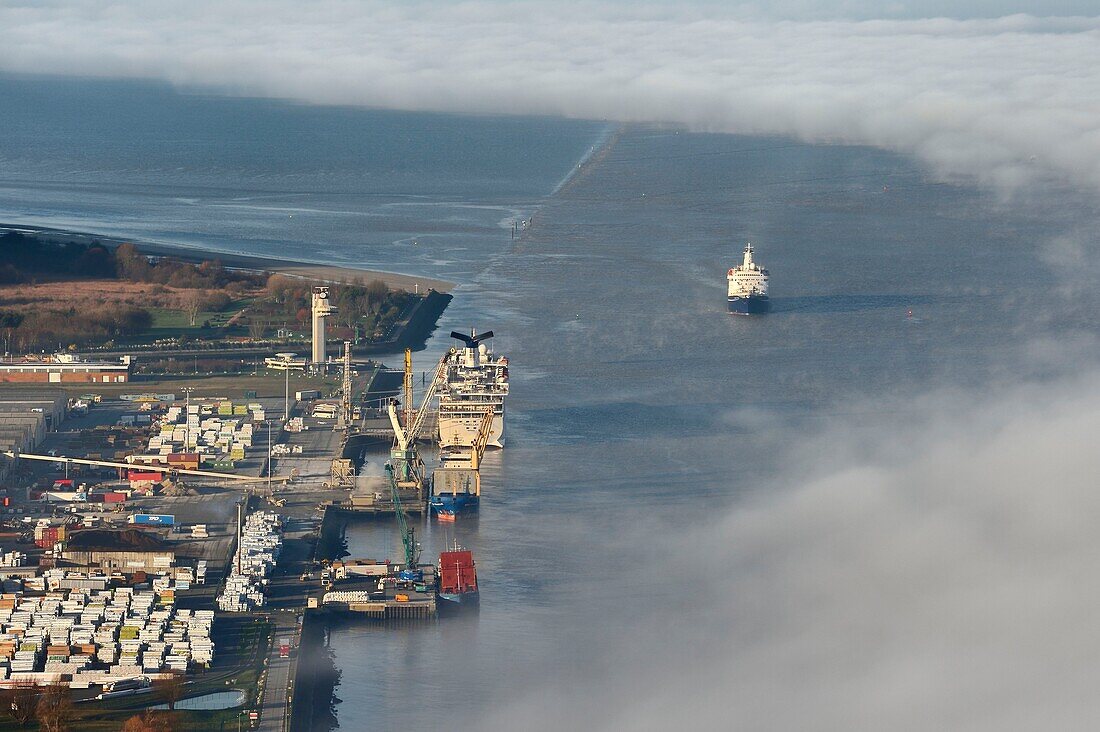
(275, 707)
(286, 593)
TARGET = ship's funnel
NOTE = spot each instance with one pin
(471, 341)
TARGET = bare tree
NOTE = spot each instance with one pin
(376, 293)
(55, 709)
(192, 304)
(19, 702)
(172, 689)
(256, 327)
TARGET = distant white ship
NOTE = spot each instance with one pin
(476, 381)
(748, 286)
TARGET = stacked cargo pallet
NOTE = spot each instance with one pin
(184, 577)
(13, 559)
(260, 546)
(219, 433)
(83, 637)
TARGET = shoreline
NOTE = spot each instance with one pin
(288, 267)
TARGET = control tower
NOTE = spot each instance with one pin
(322, 308)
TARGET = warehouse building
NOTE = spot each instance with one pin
(26, 415)
(126, 551)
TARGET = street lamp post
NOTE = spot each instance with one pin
(286, 356)
(269, 493)
(187, 417)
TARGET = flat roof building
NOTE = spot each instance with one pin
(26, 415)
(64, 369)
(127, 551)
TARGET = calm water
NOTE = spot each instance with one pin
(401, 192)
(639, 406)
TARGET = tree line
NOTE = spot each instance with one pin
(363, 309)
(46, 329)
(360, 306)
(26, 258)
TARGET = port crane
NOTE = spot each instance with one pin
(407, 465)
(405, 468)
(408, 533)
(405, 436)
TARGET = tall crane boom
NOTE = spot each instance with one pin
(408, 534)
(406, 435)
(477, 450)
(407, 388)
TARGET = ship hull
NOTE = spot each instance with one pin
(459, 602)
(749, 305)
(447, 507)
(462, 431)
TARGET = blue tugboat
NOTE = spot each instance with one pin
(748, 286)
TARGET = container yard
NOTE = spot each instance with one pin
(82, 637)
(216, 434)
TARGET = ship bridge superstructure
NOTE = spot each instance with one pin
(748, 279)
(475, 382)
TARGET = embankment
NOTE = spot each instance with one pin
(414, 330)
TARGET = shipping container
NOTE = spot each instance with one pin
(142, 476)
(188, 460)
(158, 519)
(62, 496)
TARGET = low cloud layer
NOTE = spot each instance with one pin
(1007, 100)
(930, 570)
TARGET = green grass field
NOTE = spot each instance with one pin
(175, 323)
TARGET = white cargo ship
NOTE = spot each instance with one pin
(476, 381)
(748, 286)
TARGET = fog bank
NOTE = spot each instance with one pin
(1006, 99)
(932, 570)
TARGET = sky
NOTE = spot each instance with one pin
(1003, 92)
